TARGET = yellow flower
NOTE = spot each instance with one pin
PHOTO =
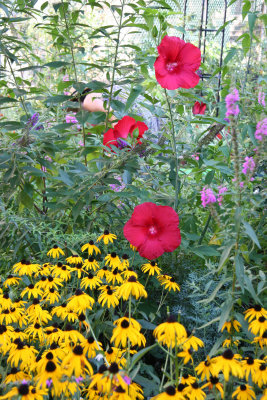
(62, 271)
(51, 296)
(90, 281)
(36, 331)
(192, 341)
(107, 237)
(131, 287)
(25, 392)
(214, 383)
(102, 273)
(255, 312)
(234, 324)
(170, 393)
(125, 332)
(135, 324)
(244, 392)
(114, 276)
(113, 354)
(74, 259)
(80, 302)
(69, 335)
(26, 268)
(108, 297)
(120, 394)
(50, 372)
(229, 342)
(11, 280)
(228, 363)
(75, 363)
(125, 262)
(90, 347)
(55, 252)
(250, 367)
(21, 353)
(206, 368)
(151, 267)
(43, 271)
(128, 273)
(194, 392)
(16, 375)
(260, 378)
(258, 326)
(32, 291)
(170, 284)
(91, 247)
(162, 278)
(262, 340)
(133, 247)
(113, 260)
(187, 379)
(91, 263)
(37, 314)
(186, 355)
(170, 333)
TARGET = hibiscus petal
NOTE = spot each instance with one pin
(160, 67)
(186, 79)
(109, 138)
(167, 215)
(170, 239)
(142, 127)
(191, 56)
(143, 214)
(170, 47)
(136, 235)
(151, 249)
(125, 126)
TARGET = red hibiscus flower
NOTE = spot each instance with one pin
(176, 64)
(199, 108)
(153, 230)
(122, 130)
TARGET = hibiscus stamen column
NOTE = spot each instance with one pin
(174, 153)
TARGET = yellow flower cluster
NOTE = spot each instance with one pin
(50, 348)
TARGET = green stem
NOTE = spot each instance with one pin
(205, 229)
(114, 64)
(173, 142)
(164, 372)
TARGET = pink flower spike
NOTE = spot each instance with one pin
(248, 166)
(261, 98)
(230, 100)
(66, 78)
(207, 196)
(241, 184)
(261, 129)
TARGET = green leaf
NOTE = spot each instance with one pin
(64, 177)
(225, 312)
(56, 64)
(251, 233)
(34, 171)
(57, 99)
(231, 53)
(223, 26)
(135, 92)
(246, 8)
(250, 288)
(141, 354)
(239, 270)
(12, 125)
(77, 208)
(147, 325)
(4, 100)
(225, 255)
(251, 22)
(246, 43)
(208, 251)
(97, 117)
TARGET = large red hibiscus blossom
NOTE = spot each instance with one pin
(199, 108)
(176, 64)
(122, 130)
(153, 230)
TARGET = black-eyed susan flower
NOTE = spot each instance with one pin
(260, 378)
(11, 280)
(44, 270)
(55, 252)
(91, 281)
(194, 392)
(74, 259)
(70, 335)
(192, 341)
(5, 301)
(9, 316)
(128, 273)
(20, 353)
(113, 260)
(108, 297)
(231, 325)
(51, 296)
(16, 375)
(229, 342)
(151, 267)
(170, 284)
(258, 326)
(25, 392)
(91, 346)
(32, 291)
(107, 237)
(244, 392)
(91, 247)
(42, 283)
(131, 287)
(62, 271)
(214, 382)
(102, 273)
(187, 379)
(120, 394)
(261, 340)
(50, 372)
(19, 334)
(229, 363)
(125, 332)
(36, 313)
(170, 333)
(53, 282)
(26, 268)
(36, 331)
(186, 355)
(54, 334)
(170, 393)
(42, 362)
(91, 264)
(131, 321)
(206, 368)
(250, 367)
(125, 262)
(162, 278)
(114, 277)
(78, 268)
(135, 391)
(80, 302)
(255, 312)
(5, 338)
(114, 354)
(101, 380)
(60, 311)
(75, 363)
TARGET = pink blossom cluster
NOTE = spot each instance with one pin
(42, 167)
(231, 107)
(195, 156)
(249, 165)
(71, 119)
(66, 78)
(261, 98)
(261, 129)
(209, 197)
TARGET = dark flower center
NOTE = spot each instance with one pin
(91, 259)
(102, 369)
(78, 350)
(6, 296)
(64, 268)
(59, 264)
(171, 319)
(113, 255)
(207, 363)
(55, 247)
(261, 320)
(185, 376)
(90, 276)
(106, 232)
(33, 390)
(90, 339)
(195, 385)
(31, 286)
(153, 265)
(110, 351)
(257, 307)
(43, 278)
(49, 356)
(125, 324)
(23, 389)
(53, 346)
(37, 326)
(35, 302)
(243, 388)
(52, 290)
(228, 354)
(125, 257)
(78, 292)
(214, 380)
(181, 387)
(13, 371)
(81, 317)
(132, 279)
(262, 367)
(109, 292)
(113, 368)
(250, 361)
(119, 389)
(10, 276)
(91, 242)
(170, 390)
(50, 366)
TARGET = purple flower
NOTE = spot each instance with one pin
(122, 143)
(127, 380)
(115, 187)
(222, 190)
(79, 379)
(231, 107)
(261, 129)
(66, 78)
(70, 119)
(81, 144)
(248, 166)
(33, 120)
(207, 197)
(261, 98)
(49, 382)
